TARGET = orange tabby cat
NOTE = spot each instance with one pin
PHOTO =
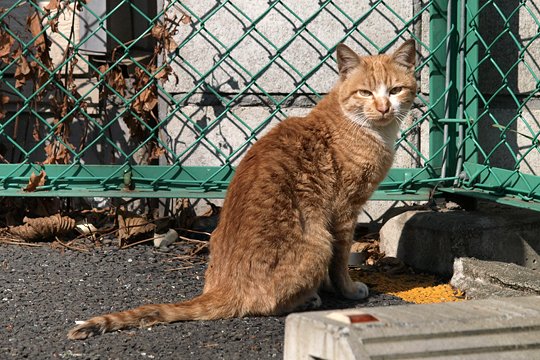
(287, 222)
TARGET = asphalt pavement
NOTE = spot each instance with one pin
(45, 289)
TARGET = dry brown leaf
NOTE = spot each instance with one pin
(146, 101)
(34, 25)
(52, 5)
(158, 31)
(4, 99)
(116, 80)
(130, 225)
(162, 34)
(157, 152)
(101, 70)
(23, 72)
(149, 99)
(57, 153)
(6, 42)
(186, 19)
(164, 73)
(35, 181)
(53, 25)
(360, 246)
(41, 76)
(170, 44)
(43, 228)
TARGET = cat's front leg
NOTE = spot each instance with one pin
(338, 270)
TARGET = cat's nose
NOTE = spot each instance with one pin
(383, 107)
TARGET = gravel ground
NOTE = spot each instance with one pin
(44, 290)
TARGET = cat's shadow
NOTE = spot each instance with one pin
(332, 301)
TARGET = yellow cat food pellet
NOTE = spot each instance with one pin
(415, 288)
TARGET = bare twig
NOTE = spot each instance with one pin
(195, 241)
(70, 247)
(180, 268)
(194, 231)
(14, 242)
(136, 243)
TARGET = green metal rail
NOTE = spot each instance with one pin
(119, 145)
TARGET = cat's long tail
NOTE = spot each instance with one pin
(208, 306)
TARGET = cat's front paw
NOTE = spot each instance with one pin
(357, 291)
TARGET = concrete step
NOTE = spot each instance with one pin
(497, 328)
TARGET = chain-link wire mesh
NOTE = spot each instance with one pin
(162, 99)
(497, 96)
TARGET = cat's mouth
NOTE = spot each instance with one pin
(384, 119)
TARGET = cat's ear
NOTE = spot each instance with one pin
(347, 60)
(406, 54)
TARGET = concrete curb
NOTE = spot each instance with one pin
(430, 241)
(483, 279)
(495, 329)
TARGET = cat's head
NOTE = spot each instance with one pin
(376, 91)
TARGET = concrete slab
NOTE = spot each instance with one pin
(483, 279)
(504, 328)
(430, 241)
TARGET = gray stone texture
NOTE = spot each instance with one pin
(484, 279)
(430, 241)
(277, 30)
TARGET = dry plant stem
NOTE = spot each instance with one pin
(201, 242)
(70, 247)
(195, 241)
(180, 268)
(194, 231)
(198, 249)
(11, 242)
(136, 243)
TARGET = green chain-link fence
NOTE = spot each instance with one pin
(496, 118)
(161, 99)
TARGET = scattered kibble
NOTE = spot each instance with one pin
(414, 288)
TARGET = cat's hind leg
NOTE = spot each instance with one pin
(304, 265)
(313, 302)
(307, 301)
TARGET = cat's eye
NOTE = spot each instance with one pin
(396, 90)
(365, 93)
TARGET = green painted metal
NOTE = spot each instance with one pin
(469, 97)
(456, 108)
(500, 145)
(437, 82)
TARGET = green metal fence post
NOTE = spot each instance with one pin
(437, 75)
(470, 96)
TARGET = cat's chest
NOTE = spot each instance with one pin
(360, 175)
